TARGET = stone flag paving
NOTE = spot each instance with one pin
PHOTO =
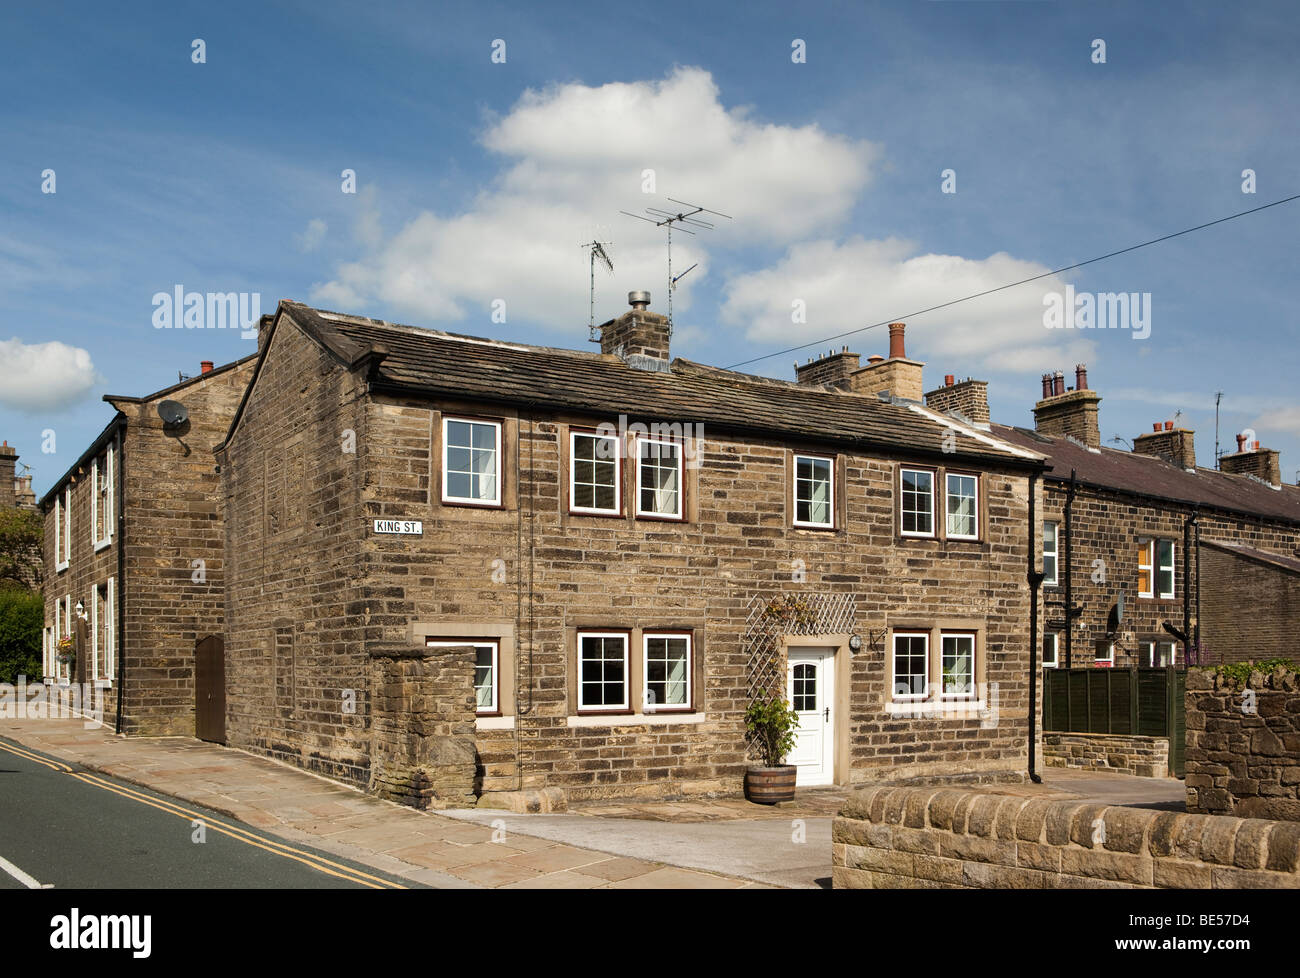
(298, 806)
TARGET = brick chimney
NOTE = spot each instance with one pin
(638, 334)
(832, 368)
(1072, 412)
(1177, 445)
(1250, 459)
(969, 398)
(896, 374)
(8, 465)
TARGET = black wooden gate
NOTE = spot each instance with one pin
(1147, 702)
(210, 689)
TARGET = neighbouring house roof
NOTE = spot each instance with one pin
(1261, 556)
(119, 418)
(435, 363)
(1156, 478)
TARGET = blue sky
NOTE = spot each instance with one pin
(477, 182)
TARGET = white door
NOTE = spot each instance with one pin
(810, 685)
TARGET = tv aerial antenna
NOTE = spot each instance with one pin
(687, 222)
(598, 251)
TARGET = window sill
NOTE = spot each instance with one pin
(635, 719)
(494, 723)
(60, 568)
(938, 709)
(101, 544)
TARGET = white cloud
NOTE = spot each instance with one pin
(575, 151)
(1285, 419)
(45, 376)
(856, 283)
(311, 237)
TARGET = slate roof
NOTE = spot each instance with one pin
(435, 363)
(1145, 475)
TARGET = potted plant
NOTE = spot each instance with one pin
(770, 726)
(67, 652)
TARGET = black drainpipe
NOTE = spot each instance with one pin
(1035, 578)
(1199, 657)
(119, 598)
(1188, 527)
(1069, 564)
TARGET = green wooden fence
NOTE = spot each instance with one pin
(1147, 702)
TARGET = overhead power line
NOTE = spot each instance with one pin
(1012, 285)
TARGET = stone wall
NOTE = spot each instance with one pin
(924, 838)
(1143, 757)
(422, 725)
(1242, 762)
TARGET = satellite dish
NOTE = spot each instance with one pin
(173, 414)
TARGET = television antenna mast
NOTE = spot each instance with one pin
(598, 251)
(686, 222)
(1218, 396)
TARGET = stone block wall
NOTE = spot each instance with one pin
(422, 749)
(925, 838)
(1239, 761)
(1144, 757)
(1249, 606)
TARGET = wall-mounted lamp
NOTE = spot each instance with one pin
(855, 642)
(81, 610)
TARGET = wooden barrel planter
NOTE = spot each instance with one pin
(769, 785)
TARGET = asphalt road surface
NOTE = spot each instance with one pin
(62, 826)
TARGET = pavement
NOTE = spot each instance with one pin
(307, 809)
(724, 843)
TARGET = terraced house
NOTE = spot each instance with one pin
(133, 552)
(1128, 537)
(463, 569)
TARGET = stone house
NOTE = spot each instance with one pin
(1140, 529)
(461, 568)
(23, 570)
(133, 553)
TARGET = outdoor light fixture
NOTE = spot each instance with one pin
(855, 642)
(81, 610)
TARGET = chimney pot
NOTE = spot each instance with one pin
(1155, 426)
(205, 366)
(1058, 383)
(639, 300)
(896, 350)
(947, 380)
(1241, 443)
(1169, 426)
(875, 358)
(1256, 446)
(1081, 376)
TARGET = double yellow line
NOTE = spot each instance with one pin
(315, 862)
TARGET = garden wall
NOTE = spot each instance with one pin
(1144, 757)
(926, 838)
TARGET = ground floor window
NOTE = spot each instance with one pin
(911, 665)
(958, 665)
(602, 671)
(1051, 649)
(667, 671)
(935, 665)
(1158, 653)
(487, 669)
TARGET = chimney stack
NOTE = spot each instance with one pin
(1250, 459)
(969, 398)
(639, 336)
(898, 375)
(8, 465)
(1072, 413)
(832, 368)
(1176, 445)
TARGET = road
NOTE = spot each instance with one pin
(63, 826)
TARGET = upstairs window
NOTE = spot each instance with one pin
(918, 502)
(595, 474)
(1156, 569)
(1050, 531)
(814, 491)
(471, 462)
(1051, 650)
(1165, 568)
(659, 479)
(101, 494)
(962, 498)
